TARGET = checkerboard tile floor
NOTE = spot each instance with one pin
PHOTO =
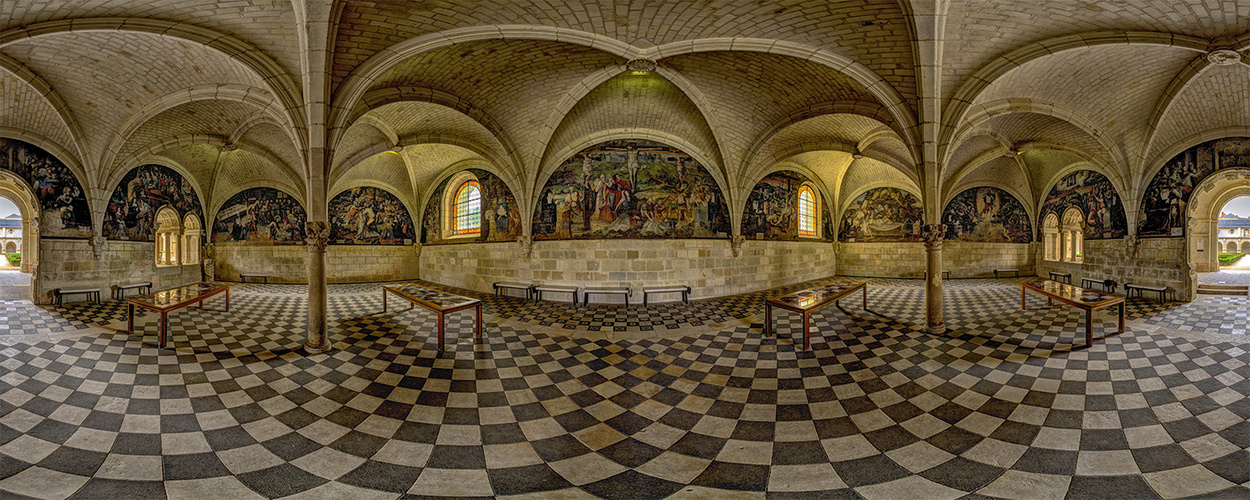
(1002, 407)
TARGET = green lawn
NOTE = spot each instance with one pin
(1228, 259)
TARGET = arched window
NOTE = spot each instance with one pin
(1050, 237)
(466, 210)
(167, 235)
(1073, 235)
(191, 239)
(808, 215)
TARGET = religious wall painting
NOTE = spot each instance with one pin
(1165, 202)
(1092, 194)
(987, 214)
(142, 191)
(882, 215)
(501, 216)
(260, 216)
(369, 216)
(630, 189)
(63, 209)
(772, 209)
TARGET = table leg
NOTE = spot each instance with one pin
(227, 299)
(1121, 317)
(1089, 328)
(164, 329)
(440, 332)
(768, 319)
(479, 320)
(1022, 299)
(130, 318)
(865, 297)
(807, 333)
(383, 300)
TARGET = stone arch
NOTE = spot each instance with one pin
(17, 190)
(1205, 203)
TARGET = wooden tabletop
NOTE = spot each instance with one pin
(174, 298)
(433, 300)
(815, 298)
(1074, 295)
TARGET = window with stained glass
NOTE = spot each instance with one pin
(807, 211)
(467, 209)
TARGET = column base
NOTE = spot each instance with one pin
(936, 330)
(317, 349)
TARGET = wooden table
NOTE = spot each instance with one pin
(439, 303)
(1081, 298)
(166, 301)
(810, 300)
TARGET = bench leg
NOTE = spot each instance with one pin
(644, 299)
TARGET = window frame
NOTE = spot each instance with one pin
(167, 237)
(447, 207)
(815, 215)
(467, 201)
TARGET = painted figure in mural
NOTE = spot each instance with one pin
(143, 190)
(369, 216)
(62, 200)
(500, 215)
(260, 216)
(631, 189)
(987, 214)
(771, 211)
(882, 214)
(1166, 199)
(1094, 195)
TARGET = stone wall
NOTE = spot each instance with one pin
(71, 264)
(282, 263)
(1158, 262)
(882, 260)
(967, 259)
(344, 263)
(708, 266)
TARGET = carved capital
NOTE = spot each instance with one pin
(97, 243)
(735, 244)
(837, 247)
(33, 224)
(318, 235)
(933, 235)
(416, 249)
(525, 246)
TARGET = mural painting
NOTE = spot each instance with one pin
(62, 200)
(772, 209)
(630, 189)
(369, 216)
(131, 213)
(882, 215)
(1092, 194)
(501, 217)
(260, 216)
(987, 214)
(1166, 199)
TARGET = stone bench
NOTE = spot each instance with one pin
(244, 276)
(684, 290)
(511, 285)
(92, 295)
(946, 274)
(1129, 288)
(1106, 285)
(998, 272)
(1066, 277)
(119, 291)
(623, 291)
(540, 289)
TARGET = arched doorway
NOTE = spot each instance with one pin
(18, 236)
(1207, 202)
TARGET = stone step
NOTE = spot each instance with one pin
(1223, 289)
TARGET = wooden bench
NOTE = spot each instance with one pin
(1129, 288)
(623, 291)
(244, 276)
(1107, 285)
(119, 291)
(946, 274)
(510, 285)
(1066, 277)
(540, 289)
(997, 272)
(684, 290)
(92, 295)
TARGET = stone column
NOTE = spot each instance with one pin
(318, 236)
(933, 235)
(30, 238)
